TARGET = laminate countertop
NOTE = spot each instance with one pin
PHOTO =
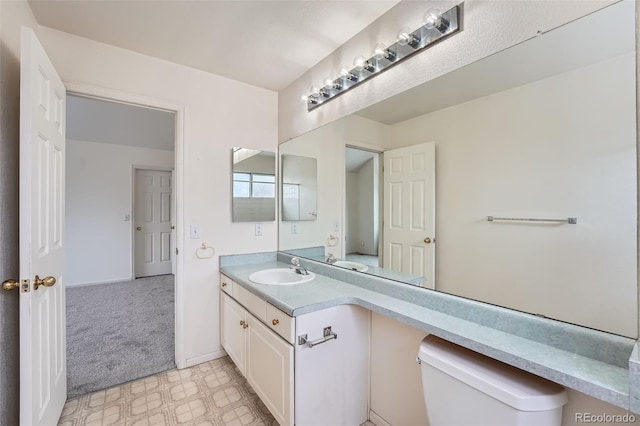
(590, 361)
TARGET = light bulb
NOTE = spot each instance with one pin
(405, 36)
(381, 51)
(305, 98)
(433, 19)
(332, 83)
(314, 91)
(328, 82)
(359, 62)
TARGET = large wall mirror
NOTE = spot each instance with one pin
(543, 130)
(254, 185)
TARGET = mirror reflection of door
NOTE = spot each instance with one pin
(153, 234)
(362, 199)
(409, 216)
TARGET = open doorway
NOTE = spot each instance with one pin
(362, 205)
(119, 326)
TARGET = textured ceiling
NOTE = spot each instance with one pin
(264, 43)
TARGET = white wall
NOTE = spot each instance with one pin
(219, 114)
(493, 158)
(13, 15)
(98, 196)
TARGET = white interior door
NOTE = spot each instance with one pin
(153, 217)
(409, 216)
(43, 363)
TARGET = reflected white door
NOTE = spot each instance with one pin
(152, 213)
(43, 363)
(409, 217)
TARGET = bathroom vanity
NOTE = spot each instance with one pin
(311, 368)
(589, 361)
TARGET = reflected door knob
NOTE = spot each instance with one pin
(47, 282)
(139, 228)
(9, 285)
(427, 240)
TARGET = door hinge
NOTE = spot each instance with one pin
(25, 286)
(176, 251)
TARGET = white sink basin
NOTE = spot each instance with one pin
(356, 266)
(280, 276)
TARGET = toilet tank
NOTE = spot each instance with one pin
(462, 387)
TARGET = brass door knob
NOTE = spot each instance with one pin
(275, 322)
(139, 228)
(47, 282)
(427, 240)
(9, 285)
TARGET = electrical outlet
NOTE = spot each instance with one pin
(258, 229)
(294, 228)
(336, 227)
(195, 232)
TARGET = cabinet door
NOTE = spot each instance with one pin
(234, 335)
(270, 370)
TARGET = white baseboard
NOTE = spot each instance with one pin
(109, 281)
(376, 419)
(204, 358)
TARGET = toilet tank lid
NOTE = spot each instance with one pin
(517, 388)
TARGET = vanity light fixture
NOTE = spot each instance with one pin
(437, 26)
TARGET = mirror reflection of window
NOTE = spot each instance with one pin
(254, 185)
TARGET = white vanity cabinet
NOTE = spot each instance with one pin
(331, 379)
(260, 354)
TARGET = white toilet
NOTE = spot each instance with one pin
(465, 388)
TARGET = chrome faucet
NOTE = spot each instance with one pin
(331, 259)
(297, 268)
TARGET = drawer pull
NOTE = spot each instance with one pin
(327, 335)
(275, 322)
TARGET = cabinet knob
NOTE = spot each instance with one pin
(275, 322)
(246, 324)
(224, 284)
(241, 323)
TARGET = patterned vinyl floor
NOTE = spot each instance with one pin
(212, 393)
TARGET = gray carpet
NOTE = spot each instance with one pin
(119, 332)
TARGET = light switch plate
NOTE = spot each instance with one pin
(195, 232)
(294, 228)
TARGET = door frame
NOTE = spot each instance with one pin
(113, 95)
(134, 169)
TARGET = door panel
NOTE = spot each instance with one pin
(43, 381)
(152, 212)
(409, 193)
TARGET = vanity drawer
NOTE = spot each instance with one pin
(253, 303)
(226, 284)
(281, 323)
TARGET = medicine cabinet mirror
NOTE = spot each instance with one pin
(254, 185)
(299, 188)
